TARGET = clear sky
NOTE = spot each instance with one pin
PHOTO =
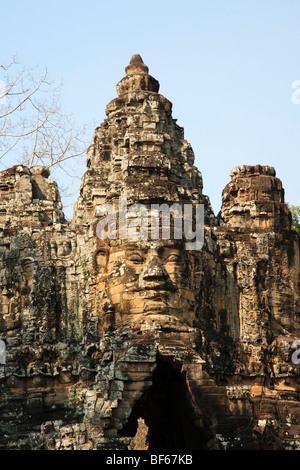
(227, 66)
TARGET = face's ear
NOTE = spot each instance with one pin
(100, 259)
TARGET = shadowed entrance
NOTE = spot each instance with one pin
(167, 411)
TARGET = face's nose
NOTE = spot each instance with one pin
(154, 270)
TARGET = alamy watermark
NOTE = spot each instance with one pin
(296, 93)
(2, 352)
(296, 354)
(139, 222)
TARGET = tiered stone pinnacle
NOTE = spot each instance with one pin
(137, 78)
(139, 151)
(254, 199)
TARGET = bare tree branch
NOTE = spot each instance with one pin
(32, 124)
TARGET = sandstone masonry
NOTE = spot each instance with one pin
(100, 332)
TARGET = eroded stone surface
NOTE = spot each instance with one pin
(100, 332)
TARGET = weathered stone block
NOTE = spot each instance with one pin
(98, 331)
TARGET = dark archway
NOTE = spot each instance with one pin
(167, 411)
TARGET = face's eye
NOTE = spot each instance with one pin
(101, 258)
(173, 258)
(136, 258)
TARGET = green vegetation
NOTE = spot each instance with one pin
(295, 210)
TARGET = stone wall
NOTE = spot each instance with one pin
(99, 332)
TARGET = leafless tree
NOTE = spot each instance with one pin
(32, 125)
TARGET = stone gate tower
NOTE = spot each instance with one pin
(100, 329)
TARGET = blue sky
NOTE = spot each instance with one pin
(227, 66)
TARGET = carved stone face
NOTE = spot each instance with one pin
(148, 278)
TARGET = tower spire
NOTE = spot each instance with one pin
(136, 66)
(137, 78)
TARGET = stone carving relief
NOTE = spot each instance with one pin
(156, 277)
(98, 333)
